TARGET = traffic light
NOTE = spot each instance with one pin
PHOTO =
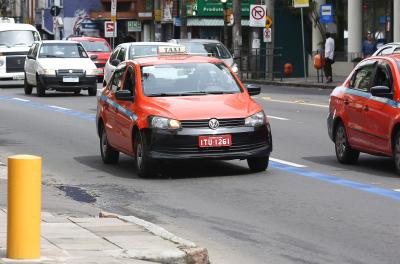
(55, 10)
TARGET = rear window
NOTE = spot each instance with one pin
(217, 50)
(95, 46)
(138, 51)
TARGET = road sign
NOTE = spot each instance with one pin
(268, 22)
(267, 35)
(326, 14)
(301, 3)
(258, 15)
(110, 29)
(134, 26)
(113, 10)
(55, 10)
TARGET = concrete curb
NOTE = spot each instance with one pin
(191, 253)
(294, 84)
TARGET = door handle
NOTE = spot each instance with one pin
(365, 108)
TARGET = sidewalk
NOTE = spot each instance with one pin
(311, 82)
(107, 239)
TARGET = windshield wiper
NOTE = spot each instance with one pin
(163, 94)
(51, 56)
(219, 92)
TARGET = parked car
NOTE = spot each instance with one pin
(388, 49)
(364, 113)
(129, 51)
(15, 42)
(210, 47)
(98, 47)
(177, 106)
(61, 66)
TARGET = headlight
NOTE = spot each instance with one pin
(235, 68)
(42, 71)
(255, 120)
(164, 123)
(94, 71)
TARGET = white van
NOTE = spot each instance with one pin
(15, 41)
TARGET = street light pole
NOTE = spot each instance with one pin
(225, 23)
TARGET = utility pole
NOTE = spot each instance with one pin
(184, 33)
(270, 46)
(237, 28)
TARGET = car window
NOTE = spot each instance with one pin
(116, 82)
(114, 54)
(35, 50)
(142, 50)
(188, 78)
(121, 54)
(383, 76)
(362, 78)
(129, 83)
(386, 51)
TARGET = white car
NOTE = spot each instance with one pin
(61, 66)
(129, 51)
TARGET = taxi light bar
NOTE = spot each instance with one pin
(171, 50)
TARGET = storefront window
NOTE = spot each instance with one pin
(377, 19)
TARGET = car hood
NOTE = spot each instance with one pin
(203, 107)
(66, 63)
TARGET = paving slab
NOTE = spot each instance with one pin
(65, 230)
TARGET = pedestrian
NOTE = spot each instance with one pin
(368, 47)
(329, 56)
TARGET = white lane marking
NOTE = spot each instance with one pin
(295, 102)
(59, 107)
(396, 190)
(279, 118)
(287, 163)
(19, 99)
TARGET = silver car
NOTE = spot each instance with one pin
(208, 47)
(129, 51)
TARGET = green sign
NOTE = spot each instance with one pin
(134, 26)
(214, 8)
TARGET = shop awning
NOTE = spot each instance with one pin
(210, 22)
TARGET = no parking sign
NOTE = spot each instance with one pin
(267, 35)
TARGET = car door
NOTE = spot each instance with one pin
(125, 116)
(30, 69)
(354, 100)
(379, 111)
(110, 106)
(109, 68)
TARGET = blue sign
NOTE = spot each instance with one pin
(177, 21)
(326, 14)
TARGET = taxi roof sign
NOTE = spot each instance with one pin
(171, 50)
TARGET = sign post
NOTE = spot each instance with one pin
(113, 19)
(301, 4)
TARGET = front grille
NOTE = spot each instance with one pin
(10, 53)
(15, 63)
(100, 64)
(70, 72)
(231, 122)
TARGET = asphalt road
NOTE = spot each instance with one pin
(311, 210)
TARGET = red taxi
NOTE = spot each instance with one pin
(177, 106)
(364, 113)
(98, 47)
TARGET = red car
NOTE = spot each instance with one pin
(98, 47)
(364, 113)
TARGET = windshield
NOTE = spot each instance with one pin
(62, 50)
(214, 49)
(138, 51)
(18, 37)
(188, 79)
(95, 46)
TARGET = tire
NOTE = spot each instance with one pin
(396, 153)
(40, 88)
(78, 91)
(144, 164)
(92, 90)
(258, 164)
(27, 87)
(108, 154)
(344, 153)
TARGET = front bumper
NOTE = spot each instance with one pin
(56, 82)
(247, 142)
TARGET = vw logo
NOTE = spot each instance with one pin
(70, 71)
(213, 123)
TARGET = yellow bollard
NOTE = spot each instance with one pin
(24, 205)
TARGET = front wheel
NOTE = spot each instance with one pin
(92, 91)
(396, 153)
(144, 164)
(344, 153)
(40, 87)
(108, 154)
(258, 164)
(27, 87)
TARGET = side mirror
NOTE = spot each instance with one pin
(381, 91)
(93, 57)
(253, 89)
(31, 57)
(124, 95)
(115, 62)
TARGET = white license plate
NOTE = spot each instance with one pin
(18, 77)
(71, 79)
